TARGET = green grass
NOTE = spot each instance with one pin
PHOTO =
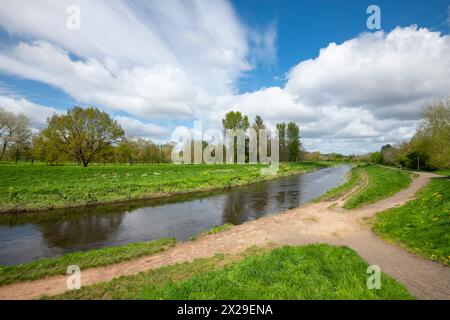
(26, 187)
(213, 230)
(309, 272)
(444, 172)
(382, 183)
(423, 224)
(354, 178)
(85, 259)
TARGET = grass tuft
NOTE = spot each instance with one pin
(213, 230)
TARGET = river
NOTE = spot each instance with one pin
(180, 217)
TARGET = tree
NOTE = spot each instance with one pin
(21, 139)
(45, 150)
(433, 135)
(12, 128)
(235, 120)
(281, 127)
(258, 125)
(83, 133)
(293, 141)
(4, 119)
(376, 157)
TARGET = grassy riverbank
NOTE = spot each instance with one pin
(382, 182)
(423, 224)
(85, 259)
(26, 187)
(375, 183)
(308, 272)
(354, 179)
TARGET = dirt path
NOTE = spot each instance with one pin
(323, 222)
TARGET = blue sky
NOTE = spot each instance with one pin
(304, 27)
(158, 66)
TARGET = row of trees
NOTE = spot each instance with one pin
(82, 135)
(429, 148)
(86, 135)
(288, 134)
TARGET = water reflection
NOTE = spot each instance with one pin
(80, 233)
(49, 234)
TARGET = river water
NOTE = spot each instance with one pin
(180, 217)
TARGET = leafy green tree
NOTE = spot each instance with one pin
(281, 127)
(376, 157)
(235, 120)
(433, 135)
(45, 150)
(258, 125)
(293, 141)
(83, 133)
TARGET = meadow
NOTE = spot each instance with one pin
(422, 225)
(316, 271)
(32, 187)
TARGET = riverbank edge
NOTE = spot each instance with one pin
(160, 195)
(94, 258)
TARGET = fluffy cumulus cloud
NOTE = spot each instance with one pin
(385, 73)
(181, 59)
(37, 114)
(369, 89)
(137, 128)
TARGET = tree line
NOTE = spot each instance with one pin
(429, 148)
(82, 136)
(89, 135)
(290, 147)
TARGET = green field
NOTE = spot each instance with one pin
(309, 272)
(26, 187)
(382, 183)
(423, 224)
(85, 259)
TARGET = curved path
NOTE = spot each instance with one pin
(324, 222)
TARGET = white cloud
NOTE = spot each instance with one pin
(178, 59)
(38, 114)
(147, 91)
(377, 71)
(184, 34)
(368, 91)
(133, 127)
(153, 58)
